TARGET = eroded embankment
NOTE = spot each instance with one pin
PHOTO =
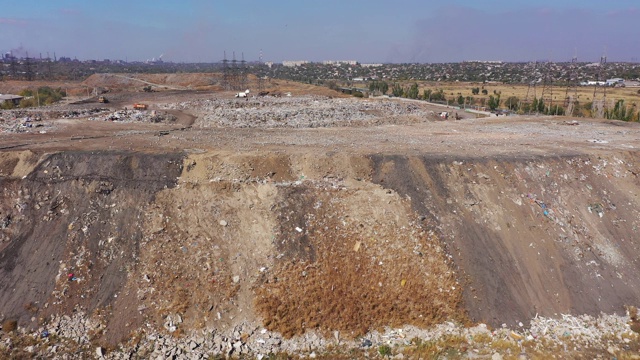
(531, 235)
(71, 229)
(296, 242)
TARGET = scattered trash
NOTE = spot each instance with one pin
(597, 208)
(356, 247)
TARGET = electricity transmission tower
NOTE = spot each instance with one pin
(571, 95)
(547, 87)
(599, 104)
(531, 90)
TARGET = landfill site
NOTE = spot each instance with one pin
(306, 223)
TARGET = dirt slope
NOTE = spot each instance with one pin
(139, 236)
(532, 235)
(74, 216)
(528, 236)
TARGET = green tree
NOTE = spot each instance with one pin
(555, 110)
(484, 92)
(6, 105)
(494, 102)
(413, 91)
(534, 105)
(460, 100)
(475, 90)
(397, 90)
(25, 103)
(426, 94)
(512, 103)
(621, 112)
(541, 107)
(384, 87)
(438, 95)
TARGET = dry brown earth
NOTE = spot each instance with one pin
(383, 218)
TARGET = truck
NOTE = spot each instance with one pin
(140, 106)
(103, 100)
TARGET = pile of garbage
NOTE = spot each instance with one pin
(20, 124)
(130, 116)
(299, 112)
(607, 334)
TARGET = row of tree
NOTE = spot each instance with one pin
(620, 111)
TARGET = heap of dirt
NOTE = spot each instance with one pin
(230, 242)
(531, 235)
(157, 82)
(350, 261)
(70, 236)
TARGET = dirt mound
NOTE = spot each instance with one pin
(72, 235)
(228, 241)
(532, 236)
(351, 262)
(128, 82)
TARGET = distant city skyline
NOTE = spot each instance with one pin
(371, 31)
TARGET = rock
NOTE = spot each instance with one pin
(99, 352)
(223, 223)
(236, 279)
(496, 356)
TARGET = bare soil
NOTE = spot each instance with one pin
(188, 226)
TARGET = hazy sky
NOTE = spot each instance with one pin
(316, 30)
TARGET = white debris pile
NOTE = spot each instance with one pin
(575, 334)
(582, 330)
(130, 116)
(81, 113)
(20, 124)
(299, 112)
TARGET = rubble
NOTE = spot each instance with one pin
(300, 112)
(129, 116)
(607, 334)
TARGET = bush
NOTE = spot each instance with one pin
(384, 350)
(7, 105)
(25, 103)
(9, 326)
